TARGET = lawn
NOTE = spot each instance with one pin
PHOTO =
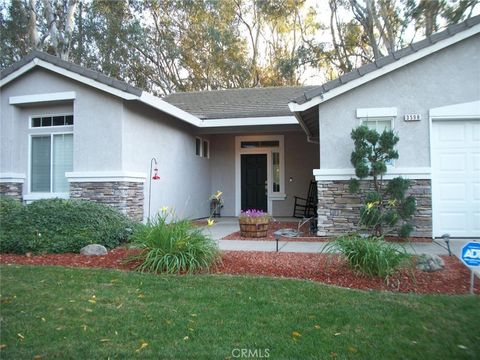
(64, 313)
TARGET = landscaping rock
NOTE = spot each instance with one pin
(93, 249)
(429, 262)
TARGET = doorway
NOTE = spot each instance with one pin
(254, 181)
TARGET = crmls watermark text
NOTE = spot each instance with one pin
(251, 353)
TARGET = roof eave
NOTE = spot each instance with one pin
(297, 105)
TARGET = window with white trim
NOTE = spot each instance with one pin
(198, 146)
(206, 149)
(51, 154)
(380, 124)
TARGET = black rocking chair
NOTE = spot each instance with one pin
(306, 207)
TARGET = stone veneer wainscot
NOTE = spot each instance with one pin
(125, 196)
(12, 189)
(339, 210)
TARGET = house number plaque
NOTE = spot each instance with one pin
(412, 117)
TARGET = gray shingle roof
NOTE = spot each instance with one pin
(238, 103)
(95, 75)
(395, 56)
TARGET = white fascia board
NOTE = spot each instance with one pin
(170, 109)
(294, 107)
(376, 112)
(69, 74)
(469, 110)
(105, 176)
(39, 98)
(251, 121)
(12, 178)
(17, 73)
(419, 173)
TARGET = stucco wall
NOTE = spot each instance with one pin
(97, 115)
(184, 177)
(301, 158)
(447, 77)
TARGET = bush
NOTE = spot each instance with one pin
(59, 226)
(177, 246)
(372, 256)
(8, 205)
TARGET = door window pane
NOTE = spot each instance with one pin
(62, 161)
(40, 170)
(276, 171)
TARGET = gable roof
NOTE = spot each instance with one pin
(305, 107)
(238, 103)
(94, 79)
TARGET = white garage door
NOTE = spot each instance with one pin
(456, 177)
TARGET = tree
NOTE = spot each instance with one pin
(385, 203)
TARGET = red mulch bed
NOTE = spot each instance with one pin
(328, 269)
(306, 236)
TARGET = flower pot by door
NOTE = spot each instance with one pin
(253, 229)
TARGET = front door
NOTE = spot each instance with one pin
(254, 181)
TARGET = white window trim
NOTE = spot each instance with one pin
(43, 195)
(379, 114)
(207, 155)
(271, 196)
(200, 152)
(60, 127)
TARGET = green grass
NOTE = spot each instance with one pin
(56, 313)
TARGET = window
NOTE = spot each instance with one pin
(379, 124)
(275, 172)
(206, 149)
(202, 147)
(51, 157)
(48, 121)
(51, 154)
(198, 146)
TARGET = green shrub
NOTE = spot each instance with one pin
(59, 226)
(372, 256)
(173, 247)
(8, 205)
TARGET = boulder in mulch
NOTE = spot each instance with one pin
(429, 262)
(93, 249)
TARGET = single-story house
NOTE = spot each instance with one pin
(67, 131)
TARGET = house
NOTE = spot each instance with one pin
(71, 132)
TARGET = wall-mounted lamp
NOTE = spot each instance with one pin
(155, 176)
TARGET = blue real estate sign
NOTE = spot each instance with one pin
(471, 254)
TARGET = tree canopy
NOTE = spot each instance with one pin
(167, 46)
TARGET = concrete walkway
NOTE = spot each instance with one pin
(227, 226)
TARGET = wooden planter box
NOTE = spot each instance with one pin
(251, 229)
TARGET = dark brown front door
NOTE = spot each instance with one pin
(254, 181)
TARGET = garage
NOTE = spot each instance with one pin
(455, 155)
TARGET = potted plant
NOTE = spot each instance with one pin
(253, 223)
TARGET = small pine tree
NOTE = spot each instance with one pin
(385, 202)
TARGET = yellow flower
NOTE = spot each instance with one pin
(370, 205)
(164, 209)
(218, 194)
(210, 222)
(392, 202)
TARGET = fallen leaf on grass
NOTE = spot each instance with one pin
(119, 306)
(317, 326)
(21, 336)
(462, 347)
(336, 334)
(194, 315)
(141, 296)
(3, 346)
(186, 338)
(143, 345)
(296, 334)
(88, 310)
(37, 357)
(43, 319)
(104, 340)
(84, 327)
(352, 349)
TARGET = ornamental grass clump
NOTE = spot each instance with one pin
(170, 245)
(372, 256)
